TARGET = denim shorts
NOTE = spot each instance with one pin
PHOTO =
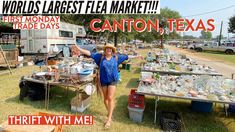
(108, 84)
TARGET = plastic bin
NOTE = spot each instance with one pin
(170, 121)
(86, 77)
(123, 65)
(201, 106)
(136, 114)
(128, 67)
(231, 108)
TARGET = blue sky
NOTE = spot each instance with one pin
(192, 7)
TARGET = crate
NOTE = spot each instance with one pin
(136, 100)
(170, 121)
(11, 56)
(199, 106)
(80, 102)
(133, 91)
(136, 114)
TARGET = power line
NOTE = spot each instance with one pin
(225, 8)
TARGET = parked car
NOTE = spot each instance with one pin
(174, 42)
(135, 42)
(85, 44)
(214, 46)
(191, 46)
(228, 43)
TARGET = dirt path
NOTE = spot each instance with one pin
(219, 66)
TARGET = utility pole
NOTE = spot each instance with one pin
(220, 33)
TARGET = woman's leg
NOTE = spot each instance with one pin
(110, 96)
(105, 93)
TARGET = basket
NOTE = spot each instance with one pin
(52, 62)
(170, 121)
(135, 100)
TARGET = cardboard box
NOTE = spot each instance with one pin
(80, 102)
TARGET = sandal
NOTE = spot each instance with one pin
(107, 124)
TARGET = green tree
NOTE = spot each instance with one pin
(231, 25)
(84, 20)
(119, 34)
(188, 37)
(206, 35)
(218, 37)
(166, 13)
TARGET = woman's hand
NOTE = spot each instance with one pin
(140, 57)
(83, 51)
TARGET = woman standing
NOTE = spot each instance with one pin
(108, 64)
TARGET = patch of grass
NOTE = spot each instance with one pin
(60, 104)
(219, 56)
(211, 55)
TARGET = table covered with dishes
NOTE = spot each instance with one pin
(173, 75)
(68, 72)
(169, 62)
(193, 87)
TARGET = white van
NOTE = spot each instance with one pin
(50, 41)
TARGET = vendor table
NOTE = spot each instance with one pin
(181, 73)
(157, 97)
(48, 84)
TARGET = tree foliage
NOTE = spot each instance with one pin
(206, 35)
(218, 37)
(145, 36)
(188, 37)
(231, 24)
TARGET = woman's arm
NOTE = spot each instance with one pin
(121, 58)
(95, 56)
(83, 51)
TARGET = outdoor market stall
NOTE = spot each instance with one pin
(66, 73)
(174, 75)
(196, 87)
(168, 62)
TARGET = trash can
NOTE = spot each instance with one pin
(123, 65)
(128, 67)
